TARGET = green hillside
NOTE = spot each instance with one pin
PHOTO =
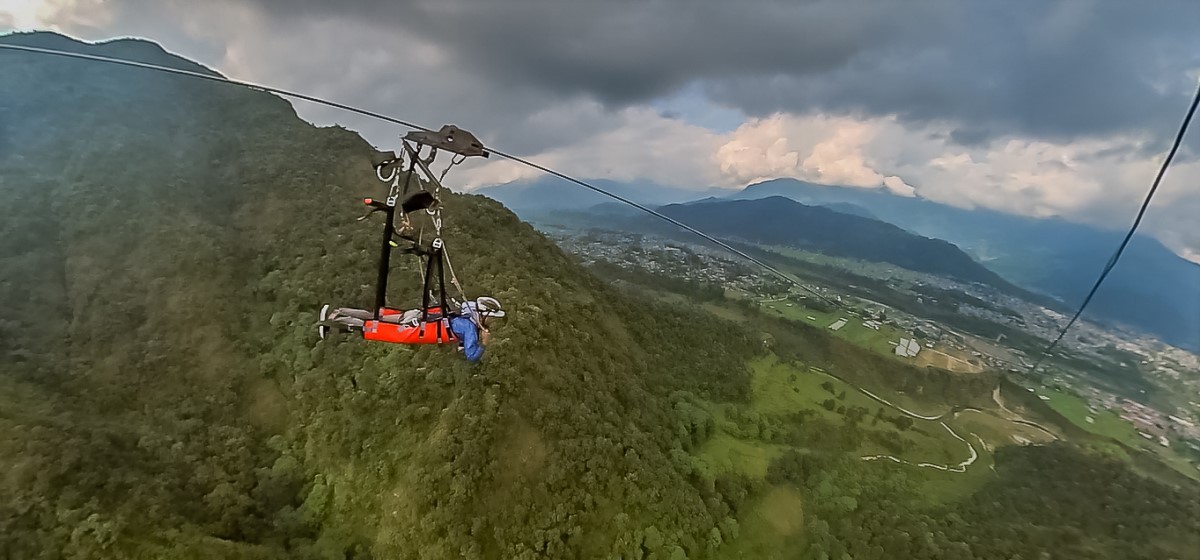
(165, 242)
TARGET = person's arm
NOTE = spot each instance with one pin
(468, 334)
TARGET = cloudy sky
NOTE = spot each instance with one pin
(1037, 108)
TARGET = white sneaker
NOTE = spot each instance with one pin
(322, 328)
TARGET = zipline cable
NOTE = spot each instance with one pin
(1108, 267)
(665, 218)
(385, 118)
(213, 78)
(1112, 261)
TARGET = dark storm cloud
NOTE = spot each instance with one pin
(629, 51)
(1056, 70)
(1052, 69)
(974, 84)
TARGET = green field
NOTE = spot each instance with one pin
(781, 389)
(725, 312)
(769, 523)
(1105, 422)
(771, 526)
(854, 331)
(724, 453)
(937, 487)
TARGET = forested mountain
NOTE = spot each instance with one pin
(164, 244)
(785, 222)
(1152, 288)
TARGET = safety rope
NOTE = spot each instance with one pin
(453, 278)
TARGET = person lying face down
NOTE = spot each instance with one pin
(468, 324)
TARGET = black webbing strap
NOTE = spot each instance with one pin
(434, 262)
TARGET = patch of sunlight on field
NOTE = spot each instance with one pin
(771, 526)
(724, 453)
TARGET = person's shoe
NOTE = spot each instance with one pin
(322, 328)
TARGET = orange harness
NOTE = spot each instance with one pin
(435, 331)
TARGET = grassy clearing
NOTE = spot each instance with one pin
(771, 526)
(1179, 464)
(933, 444)
(1107, 423)
(1104, 422)
(724, 453)
(725, 312)
(937, 487)
(875, 340)
(781, 388)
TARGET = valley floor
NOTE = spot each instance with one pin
(955, 445)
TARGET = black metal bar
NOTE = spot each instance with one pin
(385, 252)
(385, 255)
(425, 285)
(442, 283)
(441, 291)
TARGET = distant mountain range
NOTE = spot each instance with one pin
(781, 221)
(1152, 289)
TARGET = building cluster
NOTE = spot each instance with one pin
(1150, 423)
(639, 252)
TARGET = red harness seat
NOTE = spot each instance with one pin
(435, 331)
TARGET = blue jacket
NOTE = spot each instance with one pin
(468, 333)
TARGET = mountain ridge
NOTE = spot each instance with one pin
(785, 222)
(163, 252)
(1152, 288)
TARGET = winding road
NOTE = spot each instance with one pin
(953, 413)
(960, 467)
(1017, 418)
